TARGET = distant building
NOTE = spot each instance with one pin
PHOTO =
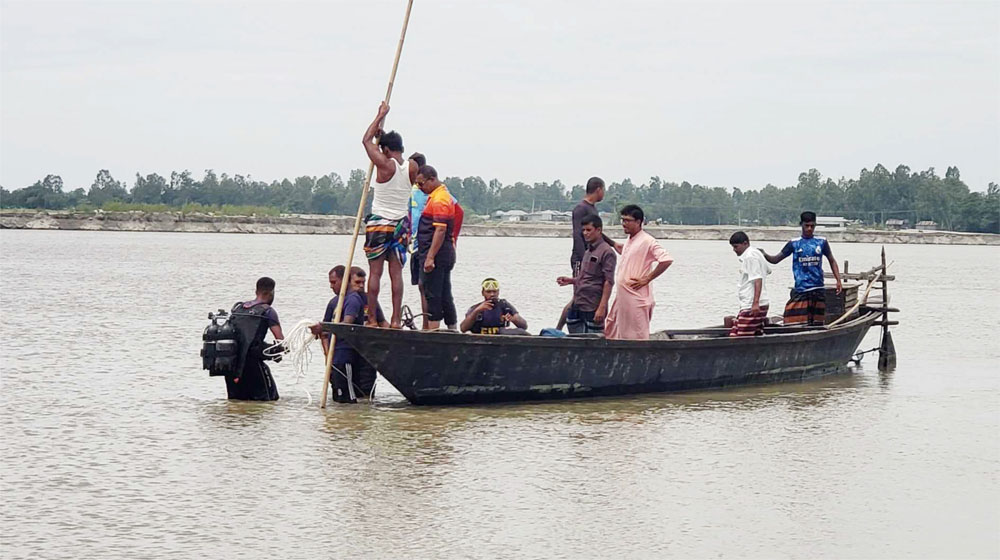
(513, 216)
(896, 223)
(542, 216)
(831, 222)
(928, 225)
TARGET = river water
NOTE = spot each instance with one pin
(116, 444)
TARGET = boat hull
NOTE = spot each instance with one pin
(434, 368)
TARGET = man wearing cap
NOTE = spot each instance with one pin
(493, 313)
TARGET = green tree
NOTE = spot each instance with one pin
(148, 189)
(106, 188)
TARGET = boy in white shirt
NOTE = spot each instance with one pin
(753, 297)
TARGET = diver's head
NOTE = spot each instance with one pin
(265, 290)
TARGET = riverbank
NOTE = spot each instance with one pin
(343, 225)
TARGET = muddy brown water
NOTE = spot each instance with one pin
(116, 445)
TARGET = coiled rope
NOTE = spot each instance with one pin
(296, 347)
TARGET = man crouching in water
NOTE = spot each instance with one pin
(352, 375)
(251, 320)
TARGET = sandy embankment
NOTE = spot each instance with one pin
(314, 224)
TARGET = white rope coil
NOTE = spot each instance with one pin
(295, 347)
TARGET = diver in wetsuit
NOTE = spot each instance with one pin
(251, 320)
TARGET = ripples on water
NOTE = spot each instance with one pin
(116, 444)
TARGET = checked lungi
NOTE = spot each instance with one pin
(806, 308)
(384, 237)
(748, 323)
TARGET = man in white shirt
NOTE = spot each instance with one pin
(753, 297)
(385, 227)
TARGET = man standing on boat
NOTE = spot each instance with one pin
(493, 313)
(593, 281)
(436, 248)
(632, 309)
(418, 200)
(586, 208)
(385, 227)
(807, 304)
(750, 289)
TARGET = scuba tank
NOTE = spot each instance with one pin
(208, 344)
(219, 350)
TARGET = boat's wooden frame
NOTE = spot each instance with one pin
(434, 368)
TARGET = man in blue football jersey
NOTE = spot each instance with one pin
(807, 304)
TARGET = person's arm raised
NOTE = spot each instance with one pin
(381, 161)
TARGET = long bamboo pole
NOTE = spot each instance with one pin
(357, 220)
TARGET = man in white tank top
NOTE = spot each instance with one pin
(386, 226)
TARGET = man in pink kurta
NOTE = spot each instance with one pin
(642, 260)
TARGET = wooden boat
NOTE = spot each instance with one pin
(440, 367)
(449, 368)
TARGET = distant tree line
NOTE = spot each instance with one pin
(872, 198)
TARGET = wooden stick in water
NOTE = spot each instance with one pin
(357, 219)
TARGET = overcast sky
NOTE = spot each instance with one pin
(724, 94)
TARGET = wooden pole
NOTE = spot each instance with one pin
(357, 220)
(886, 350)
